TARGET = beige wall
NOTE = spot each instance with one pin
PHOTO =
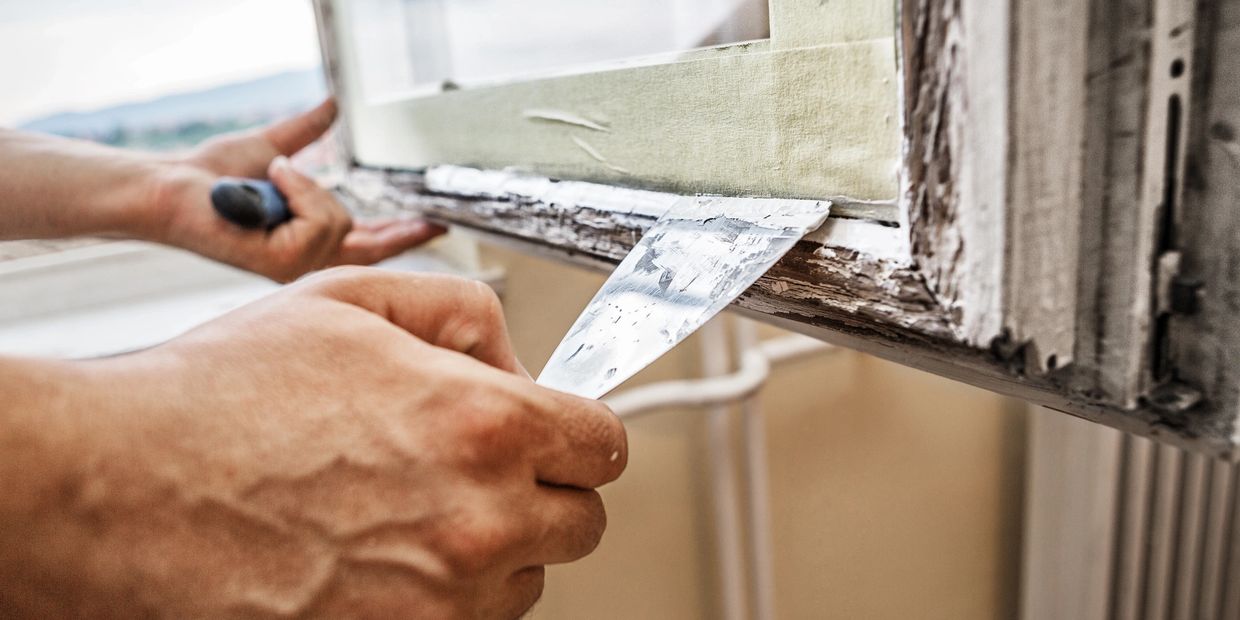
(895, 494)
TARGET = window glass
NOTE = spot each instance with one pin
(406, 44)
(154, 74)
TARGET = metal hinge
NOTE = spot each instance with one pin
(1176, 293)
(1176, 296)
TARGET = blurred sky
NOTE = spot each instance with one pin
(61, 55)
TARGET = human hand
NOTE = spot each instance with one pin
(360, 444)
(321, 233)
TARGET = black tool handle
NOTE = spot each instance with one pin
(249, 203)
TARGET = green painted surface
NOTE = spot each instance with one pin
(810, 122)
(803, 23)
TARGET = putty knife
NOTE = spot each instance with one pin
(696, 259)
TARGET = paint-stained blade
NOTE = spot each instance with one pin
(696, 259)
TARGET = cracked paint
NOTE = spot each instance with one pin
(597, 156)
(565, 118)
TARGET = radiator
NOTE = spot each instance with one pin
(1121, 528)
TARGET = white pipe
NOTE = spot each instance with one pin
(729, 541)
(717, 390)
(754, 369)
(695, 393)
(758, 499)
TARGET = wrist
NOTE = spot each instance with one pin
(116, 195)
(166, 187)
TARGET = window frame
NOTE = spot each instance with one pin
(1031, 215)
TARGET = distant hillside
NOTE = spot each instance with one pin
(239, 103)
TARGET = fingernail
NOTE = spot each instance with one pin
(279, 163)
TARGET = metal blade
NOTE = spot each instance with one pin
(696, 259)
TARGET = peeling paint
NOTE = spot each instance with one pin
(690, 265)
(522, 188)
(566, 118)
(516, 188)
(597, 156)
(603, 223)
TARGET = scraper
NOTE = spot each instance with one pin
(694, 261)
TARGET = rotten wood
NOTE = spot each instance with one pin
(877, 305)
(953, 171)
(996, 284)
(814, 281)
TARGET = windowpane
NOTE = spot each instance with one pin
(403, 44)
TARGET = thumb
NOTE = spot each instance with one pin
(293, 134)
(319, 224)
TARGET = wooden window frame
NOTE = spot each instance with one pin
(1054, 250)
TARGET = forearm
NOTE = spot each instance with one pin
(46, 567)
(55, 187)
(111, 508)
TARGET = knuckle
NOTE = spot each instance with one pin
(480, 301)
(489, 433)
(488, 301)
(473, 548)
(480, 323)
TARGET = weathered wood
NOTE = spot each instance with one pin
(1112, 326)
(949, 175)
(1042, 219)
(1025, 261)
(1205, 343)
(814, 281)
(993, 194)
(876, 305)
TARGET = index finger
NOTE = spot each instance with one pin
(452, 313)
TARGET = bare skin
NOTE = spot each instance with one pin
(362, 444)
(54, 188)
